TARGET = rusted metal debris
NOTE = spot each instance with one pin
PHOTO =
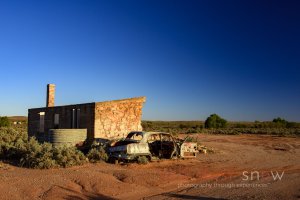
(152, 145)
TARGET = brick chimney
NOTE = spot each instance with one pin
(50, 95)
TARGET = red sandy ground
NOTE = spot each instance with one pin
(176, 179)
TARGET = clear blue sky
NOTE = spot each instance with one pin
(240, 59)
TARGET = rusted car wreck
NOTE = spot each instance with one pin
(152, 145)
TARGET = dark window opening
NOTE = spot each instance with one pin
(56, 121)
(42, 122)
(75, 118)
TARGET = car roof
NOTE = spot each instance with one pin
(149, 133)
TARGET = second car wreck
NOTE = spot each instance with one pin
(152, 145)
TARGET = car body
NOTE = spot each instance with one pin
(152, 145)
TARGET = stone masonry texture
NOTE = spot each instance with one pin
(50, 95)
(110, 119)
(114, 119)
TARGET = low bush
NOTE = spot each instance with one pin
(45, 156)
(97, 154)
(232, 128)
(173, 127)
(142, 160)
(268, 131)
(192, 139)
(14, 145)
(38, 155)
(68, 156)
(4, 122)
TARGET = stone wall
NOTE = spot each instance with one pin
(110, 119)
(115, 119)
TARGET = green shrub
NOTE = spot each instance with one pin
(68, 156)
(12, 143)
(189, 127)
(45, 156)
(279, 120)
(239, 125)
(292, 125)
(269, 131)
(97, 154)
(4, 122)
(215, 121)
(173, 127)
(142, 160)
(192, 139)
(38, 155)
(183, 126)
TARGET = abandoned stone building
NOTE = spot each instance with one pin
(109, 119)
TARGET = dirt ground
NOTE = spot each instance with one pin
(219, 175)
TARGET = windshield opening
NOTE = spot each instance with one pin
(135, 136)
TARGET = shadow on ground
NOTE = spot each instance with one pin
(88, 197)
(183, 196)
